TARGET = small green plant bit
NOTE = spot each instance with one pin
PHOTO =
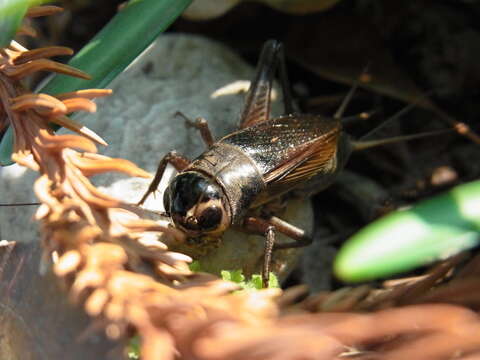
(236, 276)
(133, 348)
(254, 283)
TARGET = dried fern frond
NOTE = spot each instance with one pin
(19, 105)
(117, 266)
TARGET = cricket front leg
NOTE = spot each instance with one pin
(178, 161)
(268, 227)
(201, 124)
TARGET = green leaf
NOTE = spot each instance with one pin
(5, 148)
(273, 280)
(124, 38)
(256, 282)
(135, 27)
(11, 16)
(432, 230)
(235, 276)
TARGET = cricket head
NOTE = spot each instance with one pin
(197, 204)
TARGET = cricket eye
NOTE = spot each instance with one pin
(196, 204)
(166, 200)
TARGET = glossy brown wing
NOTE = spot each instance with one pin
(318, 159)
(289, 150)
(306, 163)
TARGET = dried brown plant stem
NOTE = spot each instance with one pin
(127, 279)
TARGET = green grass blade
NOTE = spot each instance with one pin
(112, 50)
(11, 15)
(119, 43)
(432, 230)
(6, 146)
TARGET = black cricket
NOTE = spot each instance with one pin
(236, 179)
(244, 178)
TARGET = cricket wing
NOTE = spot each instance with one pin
(312, 159)
(289, 150)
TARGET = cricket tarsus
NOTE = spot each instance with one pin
(269, 243)
(201, 125)
(178, 161)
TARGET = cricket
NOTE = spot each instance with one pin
(242, 178)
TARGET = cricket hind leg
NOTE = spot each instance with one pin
(268, 227)
(288, 103)
(257, 102)
(301, 239)
(178, 161)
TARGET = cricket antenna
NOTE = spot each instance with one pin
(21, 204)
(394, 117)
(362, 145)
(338, 114)
(364, 115)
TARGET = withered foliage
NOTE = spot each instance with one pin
(127, 280)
